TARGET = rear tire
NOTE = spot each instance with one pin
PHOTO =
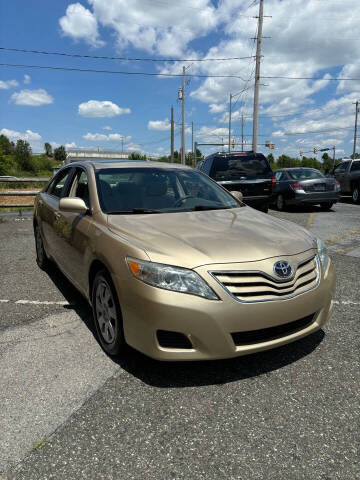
(41, 258)
(280, 203)
(107, 314)
(355, 194)
(326, 205)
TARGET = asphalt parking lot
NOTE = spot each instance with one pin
(67, 411)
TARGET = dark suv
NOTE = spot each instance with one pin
(348, 175)
(247, 172)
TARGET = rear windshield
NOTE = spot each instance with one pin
(236, 166)
(305, 174)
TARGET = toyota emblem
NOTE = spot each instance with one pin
(283, 269)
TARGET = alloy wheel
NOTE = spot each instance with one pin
(280, 203)
(355, 194)
(106, 315)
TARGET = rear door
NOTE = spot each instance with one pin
(340, 174)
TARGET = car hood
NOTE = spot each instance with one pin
(191, 239)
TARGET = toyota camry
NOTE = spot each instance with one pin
(178, 267)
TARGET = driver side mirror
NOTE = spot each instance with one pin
(73, 205)
(237, 195)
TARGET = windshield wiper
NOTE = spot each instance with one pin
(133, 211)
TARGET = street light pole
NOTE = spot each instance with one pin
(172, 135)
(355, 130)
(257, 76)
(230, 121)
(183, 119)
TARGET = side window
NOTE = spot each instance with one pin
(57, 186)
(342, 167)
(80, 187)
(355, 167)
(279, 176)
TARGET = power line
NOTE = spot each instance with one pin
(314, 78)
(129, 59)
(89, 70)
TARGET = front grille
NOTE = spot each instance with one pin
(170, 339)
(257, 286)
(272, 333)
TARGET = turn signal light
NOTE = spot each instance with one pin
(337, 186)
(273, 182)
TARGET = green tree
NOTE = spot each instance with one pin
(272, 162)
(48, 149)
(6, 165)
(60, 154)
(6, 146)
(23, 155)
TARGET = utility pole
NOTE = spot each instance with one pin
(183, 119)
(195, 146)
(257, 76)
(355, 130)
(192, 142)
(334, 149)
(230, 121)
(242, 133)
(172, 135)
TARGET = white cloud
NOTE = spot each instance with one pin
(96, 108)
(111, 137)
(159, 125)
(33, 138)
(70, 145)
(157, 27)
(215, 108)
(80, 24)
(54, 144)
(33, 98)
(27, 79)
(107, 127)
(14, 135)
(7, 84)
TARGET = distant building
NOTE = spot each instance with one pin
(75, 154)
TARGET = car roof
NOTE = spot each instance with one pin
(101, 163)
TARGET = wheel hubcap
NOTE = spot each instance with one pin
(355, 195)
(105, 312)
(280, 202)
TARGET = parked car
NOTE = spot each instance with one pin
(248, 172)
(175, 266)
(299, 186)
(348, 175)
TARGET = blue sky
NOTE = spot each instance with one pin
(309, 38)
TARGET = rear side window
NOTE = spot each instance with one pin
(355, 167)
(240, 166)
(342, 167)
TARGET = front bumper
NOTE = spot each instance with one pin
(208, 324)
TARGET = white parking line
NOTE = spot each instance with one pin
(34, 302)
(38, 302)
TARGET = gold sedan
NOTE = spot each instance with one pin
(176, 266)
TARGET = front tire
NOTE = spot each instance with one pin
(355, 194)
(107, 314)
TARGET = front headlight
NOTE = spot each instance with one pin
(323, 255)
(170, 278)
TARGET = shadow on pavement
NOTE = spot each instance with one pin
(189, 374)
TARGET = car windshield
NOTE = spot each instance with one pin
(305, 174)
(240, 165)
(159, 190)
